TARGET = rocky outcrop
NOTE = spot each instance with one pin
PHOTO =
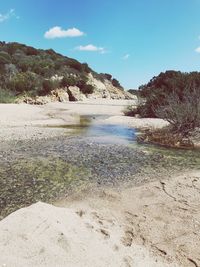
(102, 89)
(60, 95)
(105, 89)
(75, 94)
(39, 100)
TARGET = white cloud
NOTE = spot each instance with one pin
(58, 32)
(8, 15)
(197, 49)
(91, 48)
(125, 57)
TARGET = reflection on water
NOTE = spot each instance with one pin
(111, 133)
(90, 126)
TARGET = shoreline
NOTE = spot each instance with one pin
(23, 121)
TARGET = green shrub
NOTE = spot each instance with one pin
(24, 82)
(26, 69)
(68, 81)
(87, 89)
(47, 87)
(159, 88)
(86, 68)
(6, 96)
(74, 65)
(4, 58)
(175, 97)
(84, 87)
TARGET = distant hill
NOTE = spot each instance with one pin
(25, 70)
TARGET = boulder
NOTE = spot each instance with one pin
(75, 94)
(60, 95)
(39, 100)
(100, 90)
(105, 89)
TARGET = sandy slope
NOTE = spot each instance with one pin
(43, 235)
(154, 225)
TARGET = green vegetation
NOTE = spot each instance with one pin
(173, 96)
(43, 179)
(6, 96)
(30, 71)
(109, 77)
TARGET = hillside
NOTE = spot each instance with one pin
(26, 73)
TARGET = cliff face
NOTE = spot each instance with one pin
(105, 89)
(45, 74)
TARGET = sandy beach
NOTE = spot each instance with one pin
(155, 223)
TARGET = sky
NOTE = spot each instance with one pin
(133, 40)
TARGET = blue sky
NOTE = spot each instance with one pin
(133, 40)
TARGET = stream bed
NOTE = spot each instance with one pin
(94, 155)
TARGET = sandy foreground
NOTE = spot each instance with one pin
(156, 224)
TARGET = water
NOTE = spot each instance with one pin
(47, 170)
(91, 128)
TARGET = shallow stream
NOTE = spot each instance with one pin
(96, 154)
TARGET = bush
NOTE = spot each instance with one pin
(86, 68)
(156, 92)
(108, 76)
(24, 82)
(47, 87)
(116, 83)
(75, 65)
(68, 81)
(6, 96)
(30, 51)
(87, 89)
(4, 58)
(183, 113)
(84, 87)
(165, 137)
